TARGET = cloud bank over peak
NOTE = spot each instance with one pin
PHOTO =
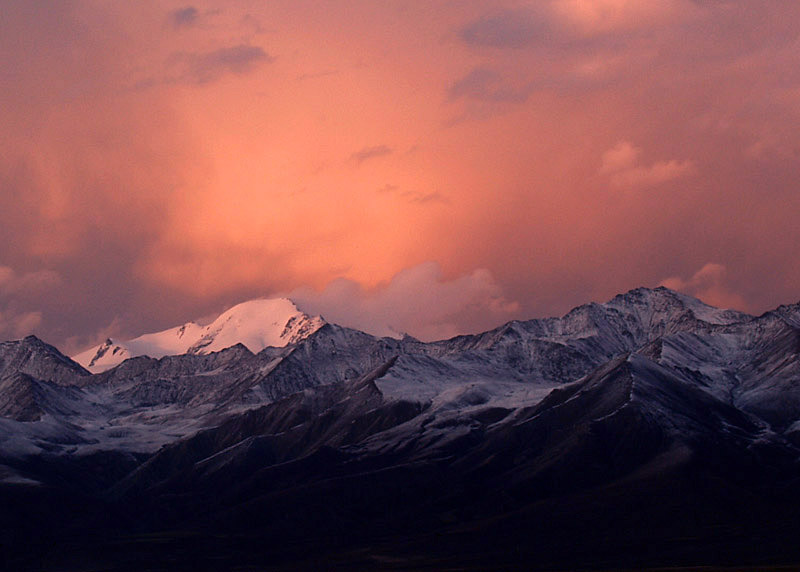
(709, 284)
(418, 301)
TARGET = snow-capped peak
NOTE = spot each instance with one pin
(256, 324)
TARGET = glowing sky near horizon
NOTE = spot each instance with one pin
(437, 167)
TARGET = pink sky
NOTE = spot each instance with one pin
(432, 167)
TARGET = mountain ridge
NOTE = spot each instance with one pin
(532, 445)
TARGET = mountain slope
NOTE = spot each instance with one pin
(307, 469)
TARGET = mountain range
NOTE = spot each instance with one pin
(652, 430)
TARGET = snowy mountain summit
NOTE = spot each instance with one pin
(256, 324)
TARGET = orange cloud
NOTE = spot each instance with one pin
(166, 160)
(605, 16)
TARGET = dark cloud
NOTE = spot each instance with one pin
(508, 29)
(316, 75)
(489, 86)
(388, 188)
(202, 68)
(414, 197)
(426, 198)
(371, 152)
(184, 17)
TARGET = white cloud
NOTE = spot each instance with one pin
(622, 166)
(417, 301)
(620, 157)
